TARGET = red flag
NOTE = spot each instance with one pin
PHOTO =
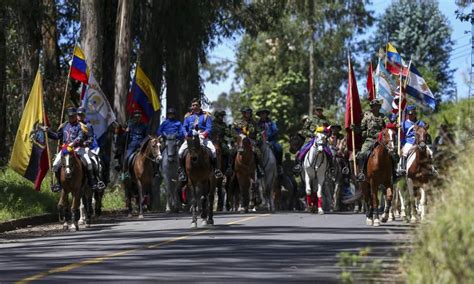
(353, 111)
(370, 83)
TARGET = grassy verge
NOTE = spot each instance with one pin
(443, 250)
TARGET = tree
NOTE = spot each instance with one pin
(3, 95)
(92, 35)
(421, 32)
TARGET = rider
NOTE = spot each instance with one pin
(408, 128)
(171, 126)
(372, 123)
(310, 126)
(270, 130)
(71, 134)
(201, 121)
(91, 148)
(337, 141)
(220, 133)
(249, 127)
(136, 133)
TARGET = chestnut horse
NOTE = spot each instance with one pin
(73, 180)
(142, 173)
(379, 176)
(201, 180)
(419, 172)
(244, 175)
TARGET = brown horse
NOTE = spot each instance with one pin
(379, 177)
(419, 172)
(244, 175)
(220, 182)
(201, 180)
(142, 173)
(73, 180)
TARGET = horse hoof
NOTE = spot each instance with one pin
(141, 216)
(76, 226)
(320, 211)
(194, 225)
(81, 222)
(413, 220)
(65, 227)
(129, 215)
(369, 222)
(403, 215)
(376, 222)
(384, 220)
(210, 222)
(204, 223)
(88, 225)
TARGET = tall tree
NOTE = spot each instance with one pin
(3, 78)
(49, 34)
(123, 45)
(421, 32)
(92, 35)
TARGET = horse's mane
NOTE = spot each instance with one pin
(145, 145)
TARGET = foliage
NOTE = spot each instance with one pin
(360, 264)
(421, 32)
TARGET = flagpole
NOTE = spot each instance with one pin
(51, 175)
(400, 111)
(373, 82)
(352, 114)
(67, 85)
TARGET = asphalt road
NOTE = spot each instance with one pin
(281, 247)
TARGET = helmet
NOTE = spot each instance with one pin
(81, 110)
(246, 109)
(171, 110)
(375, 102)
(71, 111)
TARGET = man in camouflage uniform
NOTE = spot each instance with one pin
(249, 127)
(309, 131)
(220, 133)
(372, 123)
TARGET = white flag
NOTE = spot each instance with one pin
(98, 109)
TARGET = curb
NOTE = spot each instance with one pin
(41, 220)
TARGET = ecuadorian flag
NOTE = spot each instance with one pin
(394, 60)
(79, 69)
(29, 155)
(143, 96)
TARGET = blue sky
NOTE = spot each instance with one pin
(460, 57)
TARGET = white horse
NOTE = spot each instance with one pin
(268, 181)
(169, 169)
(314, 169)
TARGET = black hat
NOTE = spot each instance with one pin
(246, 109)
(171, 110)
(375, 102)
(71, 111)
(81, 110)
(137, 113)
(220, 113)
(263, 110)
(318, 108)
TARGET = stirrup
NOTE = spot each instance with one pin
(218, 173)
(182, 177)
(56, 188)
(123, 176)
(297, 169)
(360, 177)
(101, 185)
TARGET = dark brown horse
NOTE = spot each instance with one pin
(379, 176)
(239, 193)
(220, 182)
(419, 172)
(73, 180)
(142, 173)
(201, 180)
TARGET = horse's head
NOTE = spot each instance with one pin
(296, 142)
(153, 148)
(194, 146)
(66, 161)
(319, 141)
(421, 136)
(243, 143)
(387, 138)
(171, 144)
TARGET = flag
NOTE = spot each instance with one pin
(396, 101)
(79, 69)
(418, 89)
(142, 96)
(385, 87)
(395, 63)
(29, 155)
(98, 109)
(370, 83)
(354, 110)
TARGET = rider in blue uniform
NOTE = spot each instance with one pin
(270, 130)
(171, 126)
(71, 134)
(136, 133)
(408, 129)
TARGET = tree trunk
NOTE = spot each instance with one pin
(123, 44)
(3, 97)
(311, 70)
(92, 36)
(49, 41)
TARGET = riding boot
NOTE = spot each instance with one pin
(260, 172)
(403, 165)
(91, 179)
(217, 171)
(361, 163)
(57, 186)
(297, 167)
(230, 164)
(181, 172)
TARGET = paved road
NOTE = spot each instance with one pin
(282, 247)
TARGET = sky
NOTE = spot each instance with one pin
(460, 57)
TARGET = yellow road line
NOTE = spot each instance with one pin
(100, 259)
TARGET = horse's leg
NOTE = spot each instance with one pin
(204, 201)
(412, 202)
(210, 218)
(128, 196)
(401, 196)
(307, 182)
(62, 207)
(140, 186)
(374, 189)
(388, 205)
(76, 200)
(193, 206)
(367, 200)
(422, 203)
(321, 175)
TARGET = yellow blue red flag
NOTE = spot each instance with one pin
(143, 96)
(79, 69)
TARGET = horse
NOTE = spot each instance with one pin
(379, 176)
(169, 170)
(340, 179)
(239, 190)
(419, 167)
(142, 173)
(268, 181)
(220, 182)
(201, 180)
(315, 165)
(72, 180)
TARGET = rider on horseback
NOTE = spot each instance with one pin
(372, 123)
(136, 133)
(201, 121)
(309, 131)
(249, 127)
(220, 132)
(71, 134)
(91, 149)
(271, 132)
(171, 126)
